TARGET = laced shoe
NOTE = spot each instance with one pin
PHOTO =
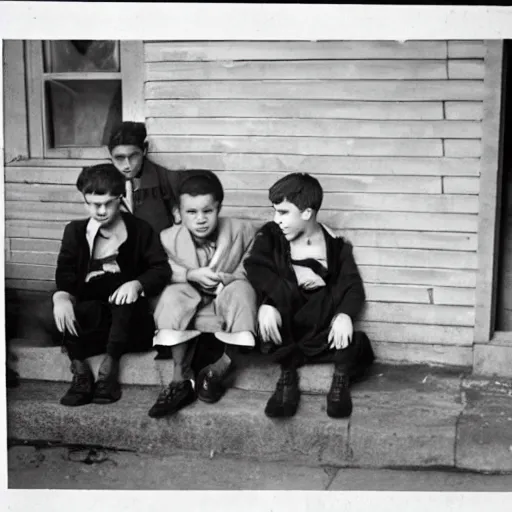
(173, 398)
(285, 400)
(108, 388)
(81, 391)
(339, 401)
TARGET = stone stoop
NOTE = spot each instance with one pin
(412, 416)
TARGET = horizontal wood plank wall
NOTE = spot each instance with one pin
(392, 130)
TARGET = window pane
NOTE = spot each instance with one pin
(73, 56)
(82, 112)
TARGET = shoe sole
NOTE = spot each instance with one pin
(339, 415)
(170, 412)
(76, 404)
(98, 399)
(283, 412)
(103, 401)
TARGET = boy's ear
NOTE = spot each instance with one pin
(306, 214)
(176, 215)
(146, 145)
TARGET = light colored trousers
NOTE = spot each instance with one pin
(233, 310)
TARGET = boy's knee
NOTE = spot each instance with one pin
(240, 289)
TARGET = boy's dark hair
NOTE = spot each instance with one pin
(198, 182)
(301, 189)
(101, 179)
(128, 133)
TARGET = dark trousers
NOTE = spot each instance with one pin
(105, 327)
(353, 360)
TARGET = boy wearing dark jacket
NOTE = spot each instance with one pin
(150, 188)
(107, 267)
(309, 293)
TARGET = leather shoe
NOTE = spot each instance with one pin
(108, 389)
(173, 398)
(339, 401)
(285, 400)
(82, 386)
(211, 385)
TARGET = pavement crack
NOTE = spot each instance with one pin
(331, 473)
(463, 401)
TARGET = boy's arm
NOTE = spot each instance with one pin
(263, 273)
(353, 296)
(66, 275)
(158, 271)
(248, 234)
(179, 271)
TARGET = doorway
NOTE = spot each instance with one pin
(504, 284)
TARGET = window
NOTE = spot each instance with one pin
(77, 91)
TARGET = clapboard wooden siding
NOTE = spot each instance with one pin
(392, 130)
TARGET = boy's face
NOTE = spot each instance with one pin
(290, 220)
(199, 214)
(128, 159)
(103, 208)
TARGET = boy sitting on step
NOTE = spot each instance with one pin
(309, 293)
(107, 267)
(206, 254)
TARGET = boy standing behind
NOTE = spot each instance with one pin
(150, 188)
(107, 266)
(206, 254)
(309, 293)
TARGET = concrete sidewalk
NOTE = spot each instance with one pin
(70, 468)
(404, 416)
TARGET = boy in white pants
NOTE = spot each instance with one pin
(206, 254)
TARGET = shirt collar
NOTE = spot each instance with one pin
(93, 226)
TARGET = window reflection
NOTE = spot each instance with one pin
(81, 56)
(82, 112)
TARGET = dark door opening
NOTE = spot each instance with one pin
(504, 284)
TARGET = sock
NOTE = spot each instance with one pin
(220, 366)
(177, 375)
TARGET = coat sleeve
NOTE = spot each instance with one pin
(352, 296)
(66, 273)
(157, 273)
(248, 234)
(264, 275)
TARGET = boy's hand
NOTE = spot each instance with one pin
(340, 335)
(269, 321)
(127, 293)
(204, 277)
(64, 315)
(307, 279)
(226, 278)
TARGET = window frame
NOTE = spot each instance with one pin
(131, 54)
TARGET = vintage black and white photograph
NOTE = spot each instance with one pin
(271, 264)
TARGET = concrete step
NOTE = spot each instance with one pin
(404, 416)
(254, 372)
(379, 433)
